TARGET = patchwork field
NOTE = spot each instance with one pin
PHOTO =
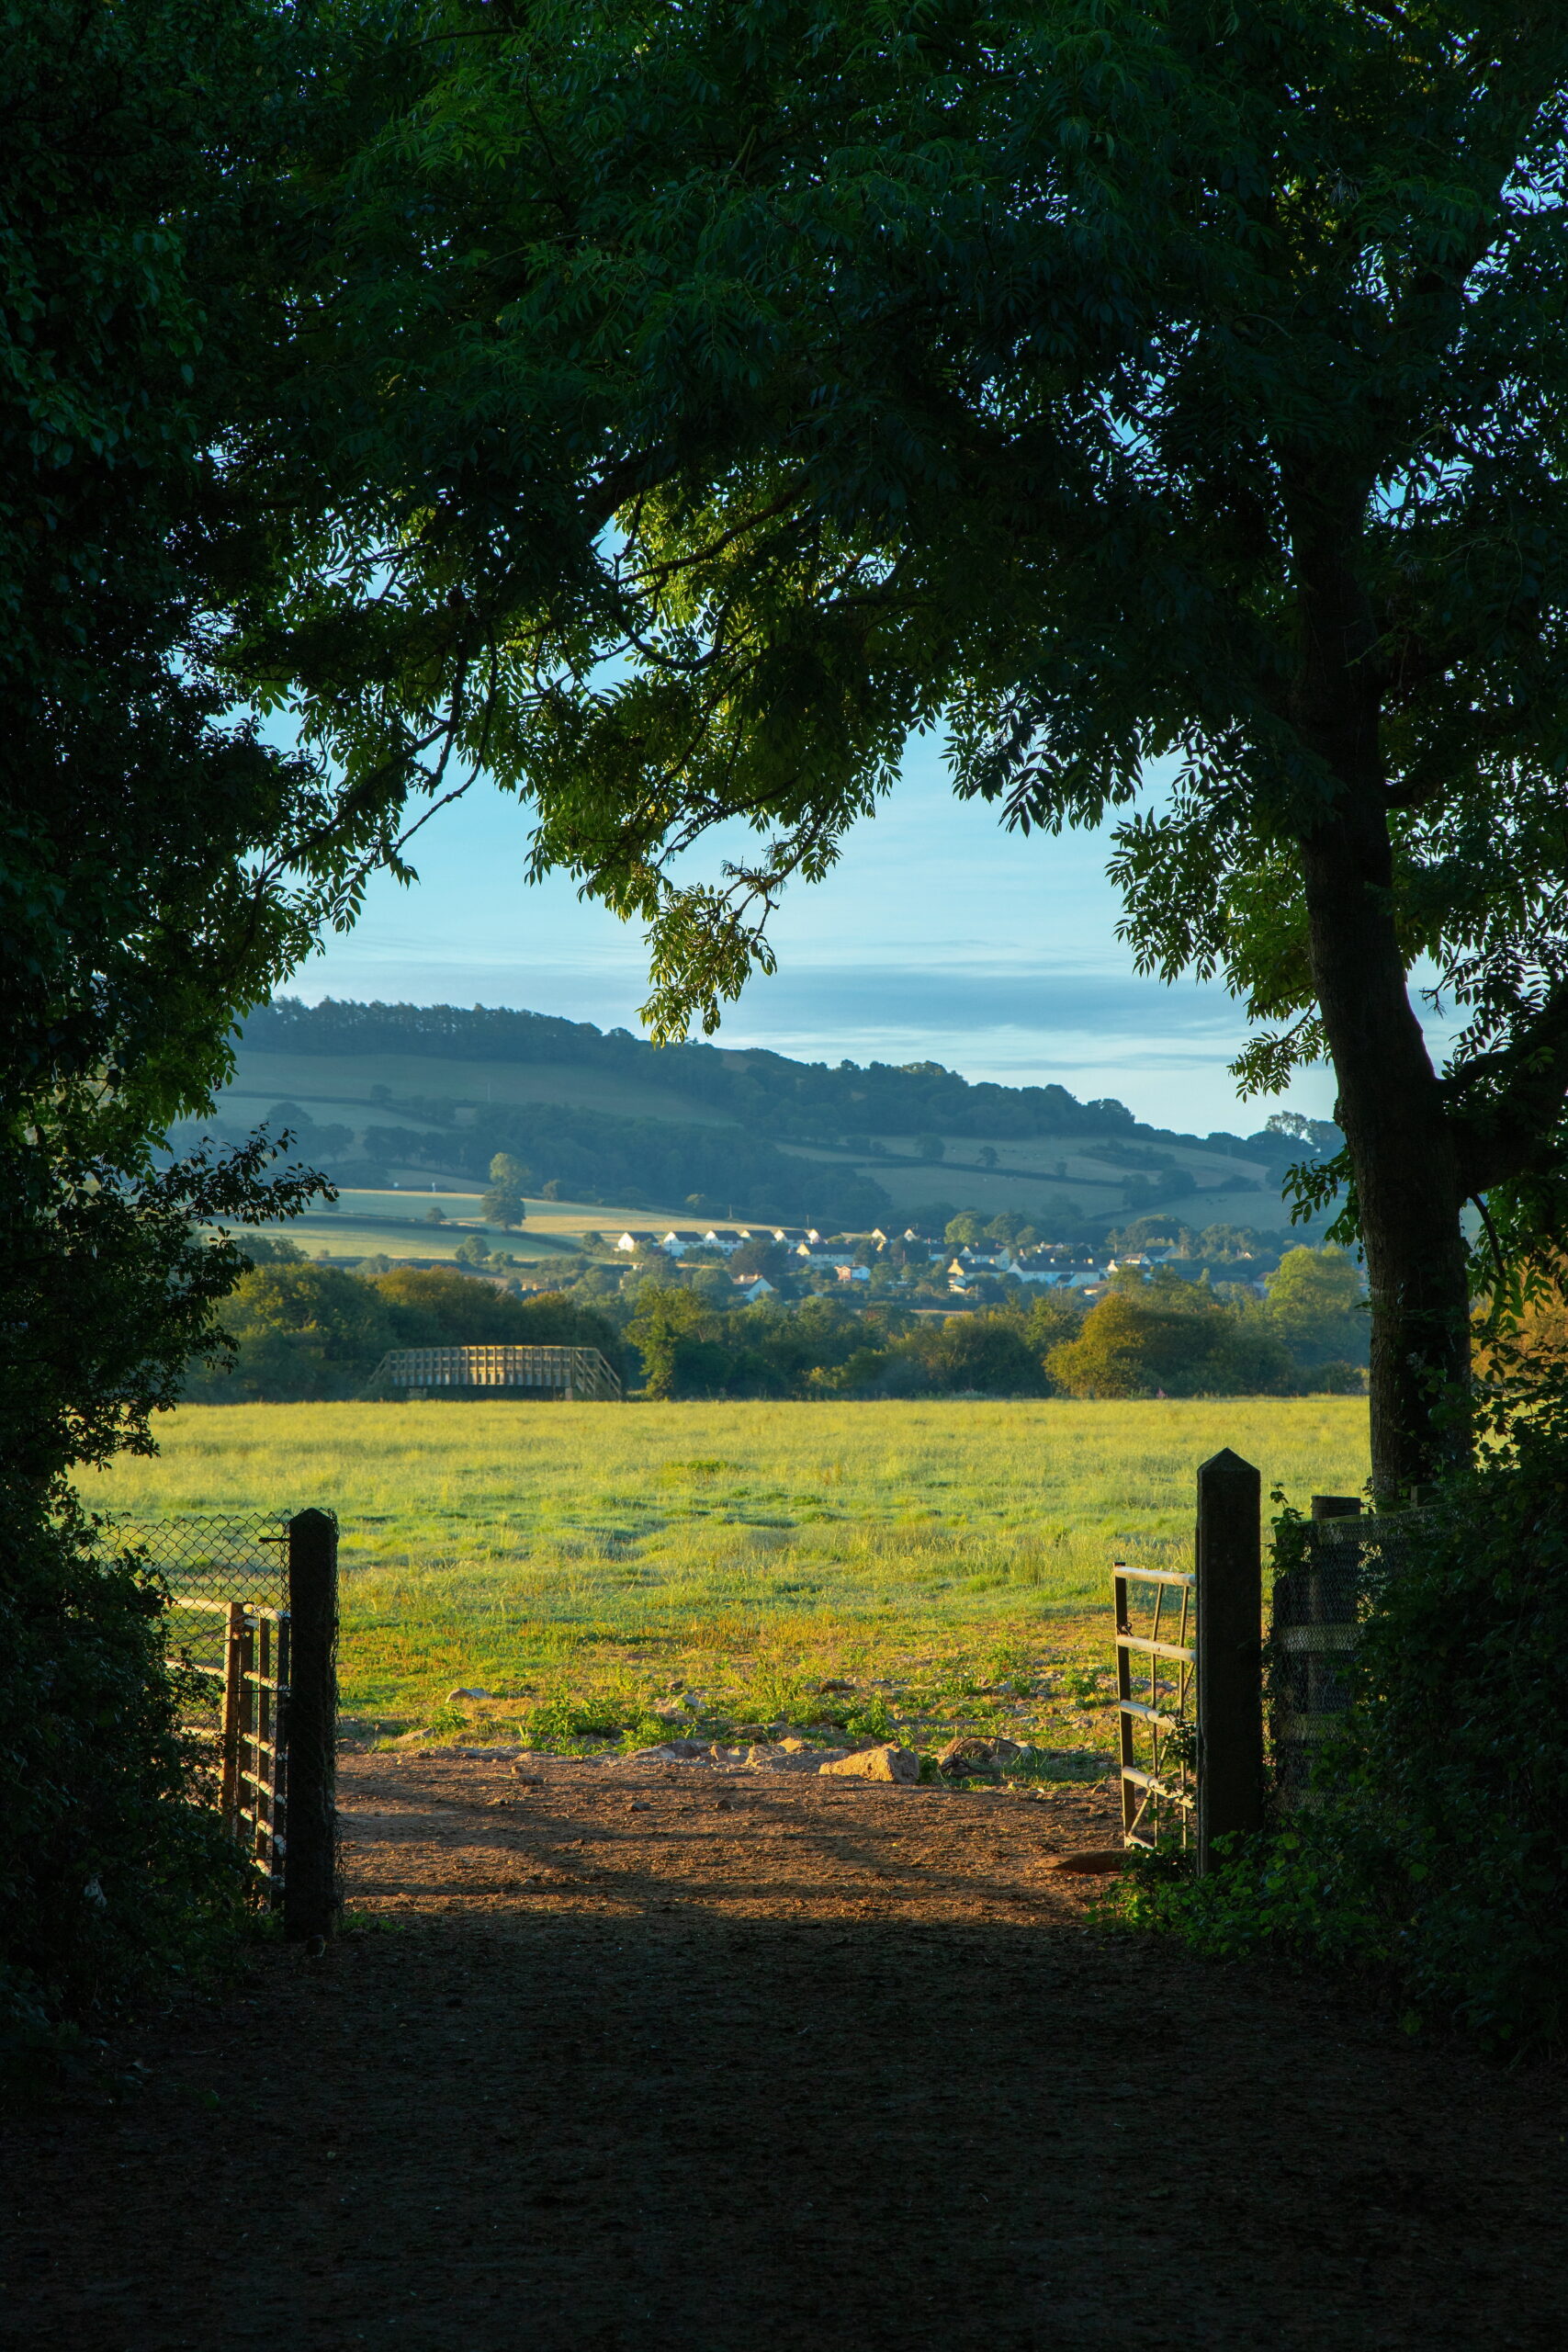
(594, 1570)
(395, 1224)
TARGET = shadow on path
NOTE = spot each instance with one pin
(630, 2102)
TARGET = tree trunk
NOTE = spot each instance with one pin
(1402, 1150)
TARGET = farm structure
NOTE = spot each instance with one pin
(580, 1374)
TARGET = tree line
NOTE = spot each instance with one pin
(303, 1331)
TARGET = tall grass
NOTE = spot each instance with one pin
(587, 1557)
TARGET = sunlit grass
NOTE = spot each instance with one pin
(576, 1561)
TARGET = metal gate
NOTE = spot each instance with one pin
(1156, 1673)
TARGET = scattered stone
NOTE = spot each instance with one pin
(793, 1755)
(453, 1696)
(675, 1751)
(889, 1763)
(749, 1732)
(968, 1759)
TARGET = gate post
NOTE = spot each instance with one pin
(1230, 1651)
(310, 1899)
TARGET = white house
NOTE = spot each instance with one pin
(681, 1239)
(753, 1287)
(633, 1242)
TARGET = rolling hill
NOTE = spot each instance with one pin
(380, 1093)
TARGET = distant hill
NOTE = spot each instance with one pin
(601, 1115)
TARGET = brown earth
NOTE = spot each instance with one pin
(656, 2055)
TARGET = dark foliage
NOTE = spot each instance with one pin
(162, 866)
(1433, 1857)
(109, 1876)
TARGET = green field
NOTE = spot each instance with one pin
(395, 1225)
(947, 1559)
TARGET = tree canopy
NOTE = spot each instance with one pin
(1139, 393)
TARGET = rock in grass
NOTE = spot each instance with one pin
(793, 1755)
(965, 1758)
(454, 1696)
(889, 1763)
(675, 1751)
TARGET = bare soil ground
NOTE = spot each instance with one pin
(628, 2055)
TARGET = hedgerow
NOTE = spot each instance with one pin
(1432, 1857)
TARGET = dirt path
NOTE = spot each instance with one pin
(656, 2056)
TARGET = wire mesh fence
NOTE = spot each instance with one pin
(252, 1615)
(207, 1560)
(1319, 1602)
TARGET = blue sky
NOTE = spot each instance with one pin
(939, 938)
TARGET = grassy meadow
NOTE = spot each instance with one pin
(596, 1570)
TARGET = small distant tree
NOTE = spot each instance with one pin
(1169, 1336)
(436, 1214)
(502, 1205)
(930, 1147)
(987, 1155)
(963, 1231)
(505, 1168)
(1315, 1305)
(673, 1330)
(472, 1251)
(989, 1353)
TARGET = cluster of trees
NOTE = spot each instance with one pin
(1147, 1336)
(303, 1331)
